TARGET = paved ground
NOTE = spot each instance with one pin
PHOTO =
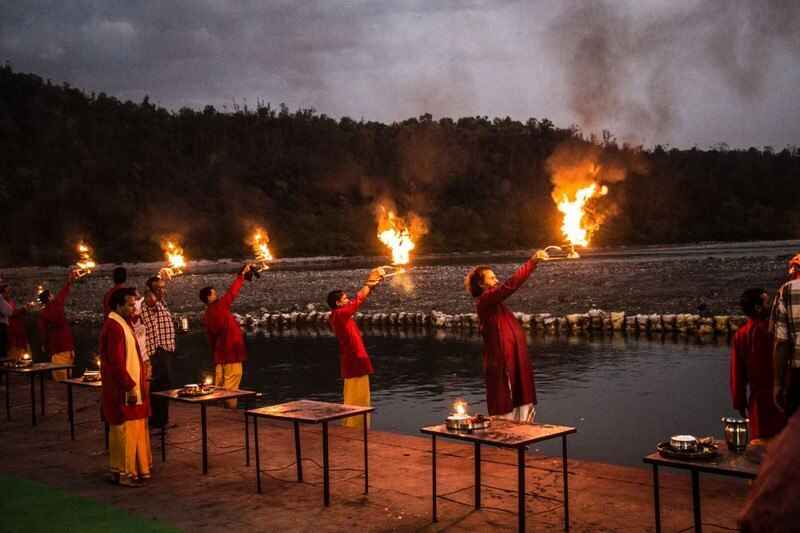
(602, 497)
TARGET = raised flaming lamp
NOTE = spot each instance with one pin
(574, 227)
(85, 264)
(176, 262)
(394, 233)
(260, 244)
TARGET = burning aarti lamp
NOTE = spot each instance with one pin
(85, 264)
(461, 420)
(260, 244)
(175, 260)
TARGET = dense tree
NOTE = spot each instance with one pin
(123, 174)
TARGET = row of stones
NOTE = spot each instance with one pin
(595, 319)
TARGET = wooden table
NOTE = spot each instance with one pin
(727, 463)
(79, 382)
(203, 401)
(32, 371)
(311, 412)
(505, 434)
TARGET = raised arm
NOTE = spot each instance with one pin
(502, 291)
(375, 277)
(62, 295)
(228, 298)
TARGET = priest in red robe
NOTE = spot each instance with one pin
(751, 368)
(54, 331)
(510, 389)
(225, 335)
(125, 401)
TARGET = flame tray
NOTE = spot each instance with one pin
(473, 423)
(193, 393)
(703, 452)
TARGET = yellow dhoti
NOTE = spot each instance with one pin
(129, 450)
(62, 358)
(228, 376)
(356, 392)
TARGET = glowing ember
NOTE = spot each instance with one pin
(85, 264)
(208, 380)
(573, 226)
(260, 244)
(175, 259)
(394, 233)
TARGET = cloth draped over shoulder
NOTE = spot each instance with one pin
(122, 371)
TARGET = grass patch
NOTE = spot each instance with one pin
(30, 507)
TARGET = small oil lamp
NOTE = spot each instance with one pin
(459, 418)
(93, 375)
(25, 359)
(207, 382)
(184, 324)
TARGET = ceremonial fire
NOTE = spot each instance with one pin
(85, 264)
(260, 244)
(175, 259)
(399, 237)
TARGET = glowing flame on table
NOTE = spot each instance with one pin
(85, 264)
(260, 244)
(395, 234)
(460, 407)
(175, 259)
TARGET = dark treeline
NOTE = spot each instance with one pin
(123, 174)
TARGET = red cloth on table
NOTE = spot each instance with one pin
(773, 504)
(116, 380)
(751, 365)
(107, 298)
(54, 330)
(353, 359)
(224, 333)
(505, 350)
(17, 336)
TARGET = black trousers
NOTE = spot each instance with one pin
(3, 341)
(161, 362)
(792, 391)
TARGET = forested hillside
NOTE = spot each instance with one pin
(122, 175)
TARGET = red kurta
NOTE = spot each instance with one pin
(107, 298)
(17, 336)
(54, 329)
(505, 350)
(224, 334)
(353, 359)
(116, 380)
(751, 364)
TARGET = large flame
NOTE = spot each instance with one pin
(85, 264)
(394, 233)
(176, 262)
(573, 226)
(260, 244)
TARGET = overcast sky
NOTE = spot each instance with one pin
(673, 72)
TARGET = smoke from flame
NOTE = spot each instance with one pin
(399, 236)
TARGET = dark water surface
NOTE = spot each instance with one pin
(624, 394)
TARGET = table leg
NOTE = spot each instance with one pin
(258, 454)
(656, 498)
(41, 389)
(477, 475)
(8, 397)
(297, 453)
(521, 488)
(326, 480)
(366, 458)
(246, 439)
(70, 412)
(33, 399)
(204, 430)
(566, 481)
(164, 443)
(698, 523)
(105, 430)
(433, 470)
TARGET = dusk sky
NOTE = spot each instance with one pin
(672, 72)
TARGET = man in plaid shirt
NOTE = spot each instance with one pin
(786, 356)
(160, 346)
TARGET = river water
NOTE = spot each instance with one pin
(624, 394)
